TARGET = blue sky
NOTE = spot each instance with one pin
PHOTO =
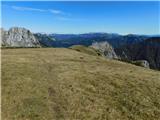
(83, 17)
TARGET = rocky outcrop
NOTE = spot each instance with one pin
(18, 37)
(106, 49)
(142, 63)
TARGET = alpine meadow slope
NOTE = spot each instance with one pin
(60, 83)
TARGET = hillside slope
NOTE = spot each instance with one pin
(52, 83)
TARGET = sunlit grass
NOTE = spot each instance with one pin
(50, 83)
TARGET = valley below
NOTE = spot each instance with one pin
(65, 84)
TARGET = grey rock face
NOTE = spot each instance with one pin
(142, 63)
(106, 49)
(18, 37)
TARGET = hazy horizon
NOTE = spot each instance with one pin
(83, 17)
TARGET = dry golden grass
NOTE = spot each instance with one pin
(53, 84)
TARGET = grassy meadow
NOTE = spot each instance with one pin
(65, 84)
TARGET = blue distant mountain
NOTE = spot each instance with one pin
(116, 40)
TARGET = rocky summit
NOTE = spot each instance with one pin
(18, 37)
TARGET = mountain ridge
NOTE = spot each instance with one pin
(123, 47)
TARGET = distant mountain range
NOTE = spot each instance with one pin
(125, 47)
(116, 40)
(21, 36)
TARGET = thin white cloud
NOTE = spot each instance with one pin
(59, 15)
(28, 9)
(62, 18)
(59, 12)
(56, 11)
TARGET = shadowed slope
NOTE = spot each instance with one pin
(146, 50)
(87, 50)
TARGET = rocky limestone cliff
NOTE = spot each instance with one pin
(18, 37)
(106, 49)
